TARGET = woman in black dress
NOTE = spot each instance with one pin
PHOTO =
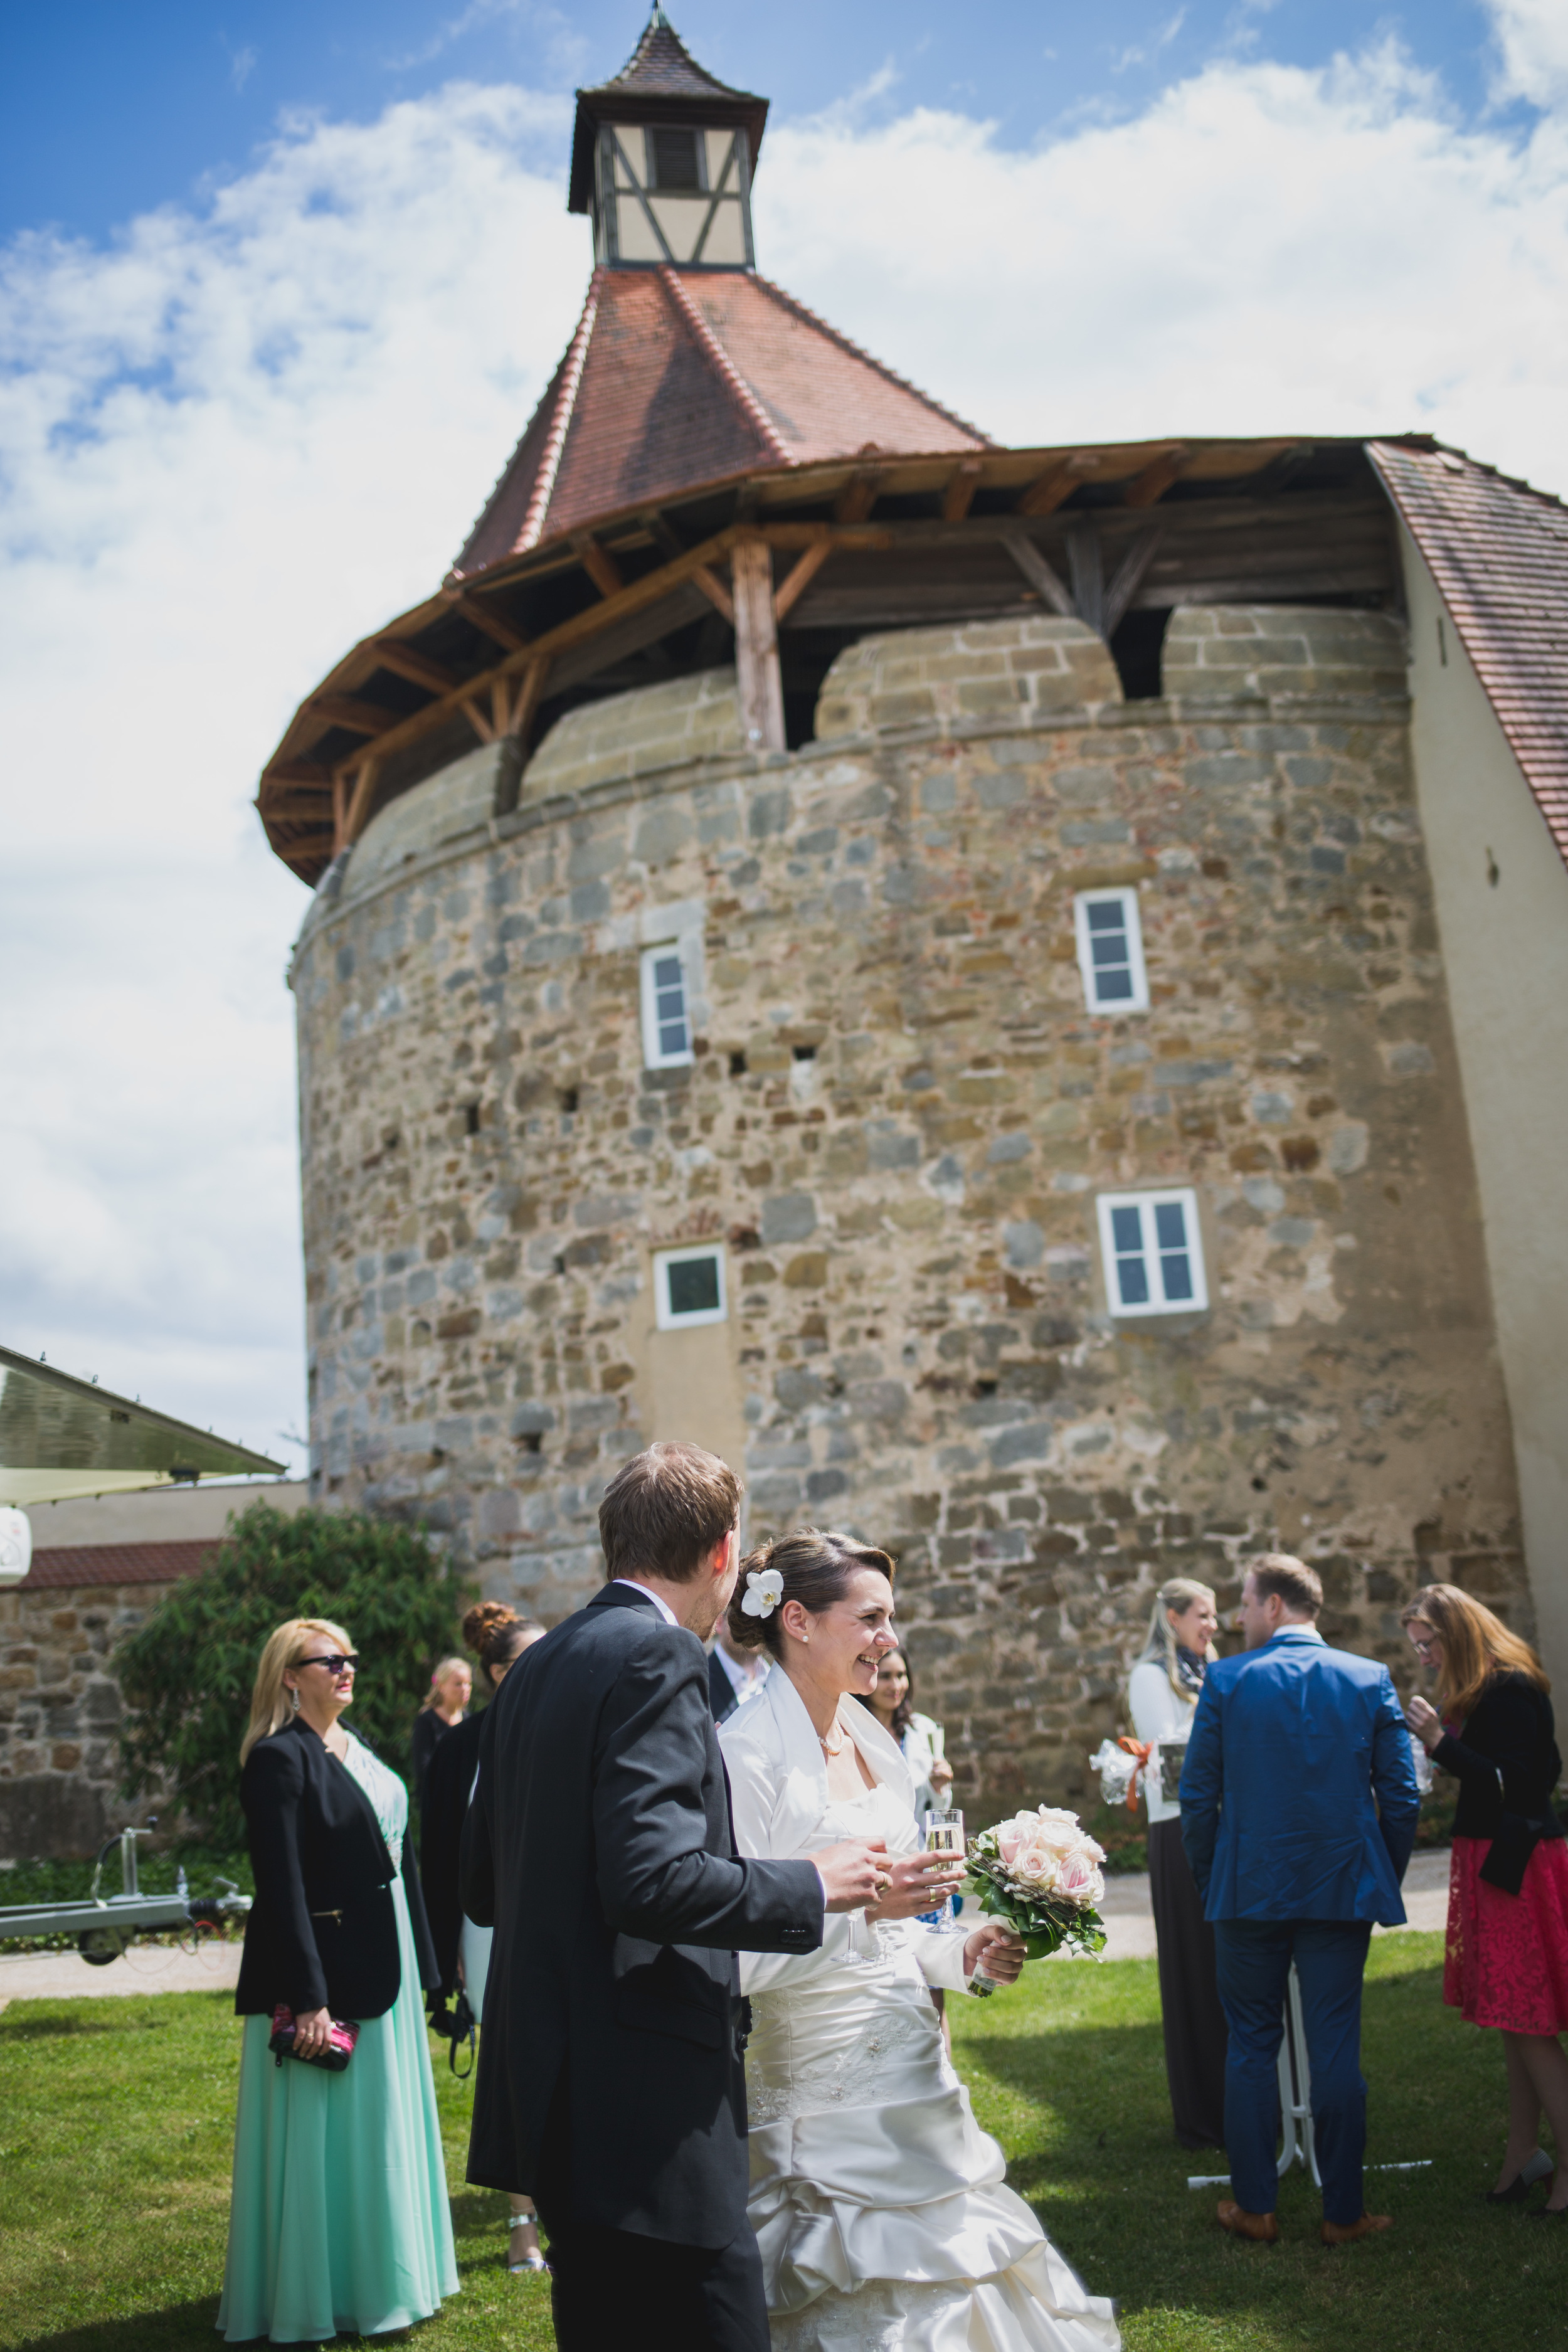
(498, 1636)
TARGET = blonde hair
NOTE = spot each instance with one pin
(1475, 1645)
(269, 1706)
(1160, 1646)
(438, 1675)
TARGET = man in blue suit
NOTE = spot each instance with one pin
(1290, 1745)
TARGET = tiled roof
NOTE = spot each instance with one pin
(660, 82)
(78, 1565)
(678, 378)
(1499, 553)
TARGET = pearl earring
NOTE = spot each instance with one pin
(294, 1696)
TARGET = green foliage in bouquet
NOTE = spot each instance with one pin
(1039, 1874)
(187, 1672)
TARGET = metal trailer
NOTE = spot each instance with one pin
(104, 1925)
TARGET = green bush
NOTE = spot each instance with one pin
(187, 1672)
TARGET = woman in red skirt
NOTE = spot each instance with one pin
(1507, 1959)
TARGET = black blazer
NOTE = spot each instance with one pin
(722, 1695)
(599, 1845)
(446, 1787)
(323, 1932)
(1508, 1769)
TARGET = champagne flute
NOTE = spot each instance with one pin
(943, 1835)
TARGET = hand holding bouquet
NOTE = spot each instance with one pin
(1040, 1873)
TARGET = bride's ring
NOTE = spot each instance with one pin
(883, 1881)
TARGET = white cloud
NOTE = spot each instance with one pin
(246, 434)
(1533, 35)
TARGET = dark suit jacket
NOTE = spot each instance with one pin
(599, 1846)
(323, 1932)
(1290, 1746)
(723, 1697)
(441, 1816)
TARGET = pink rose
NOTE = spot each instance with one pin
(1009, 1838)
(1079, 1880)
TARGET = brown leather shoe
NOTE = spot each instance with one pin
(1342, 2234)
(1263, 2229)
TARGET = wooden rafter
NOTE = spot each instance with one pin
(859, 494)
(499, 632)
(1052, 488)
(1146, 488)
(598, 563)
(406, 661)
(959, 495)
(348, 710)
(1039, 574)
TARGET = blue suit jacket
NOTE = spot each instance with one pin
(1290, 1743)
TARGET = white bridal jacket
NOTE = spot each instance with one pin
(880, 2205)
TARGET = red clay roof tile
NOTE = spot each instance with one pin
(678, 378)
(79, 1565)
(1499, 553)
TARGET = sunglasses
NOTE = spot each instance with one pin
(332, 1663)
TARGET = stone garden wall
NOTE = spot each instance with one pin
(898, 1121)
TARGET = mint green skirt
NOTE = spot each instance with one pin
(340, 2220)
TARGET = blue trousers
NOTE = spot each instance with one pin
(1253, 1960)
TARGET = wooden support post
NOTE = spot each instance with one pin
(1086, 565)
(339, 813)
(757, 646)
(358, 814)
(525, 707)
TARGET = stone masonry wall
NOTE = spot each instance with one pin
(59, 1715)
(897, 1120)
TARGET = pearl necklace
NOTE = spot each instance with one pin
(822, 1743)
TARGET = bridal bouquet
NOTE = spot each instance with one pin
(1039, 1874)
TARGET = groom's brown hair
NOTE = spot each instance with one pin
(664, 1511)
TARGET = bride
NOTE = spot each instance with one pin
(878, 2203)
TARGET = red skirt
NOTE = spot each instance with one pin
(1507, 1957)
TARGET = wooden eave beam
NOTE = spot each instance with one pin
(859, 494)
(598, 563)
(1145, 489)
(1052, 488)
(406, 661)
(959, 495)
(488, 624)
(359, 718)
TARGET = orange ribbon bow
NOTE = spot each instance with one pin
(1142, 1750)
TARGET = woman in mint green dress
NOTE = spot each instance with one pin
(340, 2220)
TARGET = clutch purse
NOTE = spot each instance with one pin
(339, 2046)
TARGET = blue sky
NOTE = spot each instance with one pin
(107, 109)
(278, 288)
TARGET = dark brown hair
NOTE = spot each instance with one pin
(903, 1714)
(664, 1511)
(816, 1565)
(492, 1632)
(1475, 1647)
(1291, 1580)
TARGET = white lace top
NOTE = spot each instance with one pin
(388, 1797)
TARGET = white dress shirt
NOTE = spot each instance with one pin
(665, 1611)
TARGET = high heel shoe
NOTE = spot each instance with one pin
(532, 2262)
(1538, 2167)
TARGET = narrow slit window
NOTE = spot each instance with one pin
(1153, 1253)
(675, 160)
(665, 1011)
(1110, 950)
(689, 1288)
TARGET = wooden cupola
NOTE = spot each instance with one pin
(662, 158)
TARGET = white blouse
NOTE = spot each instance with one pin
(782, 1810)
(1159, 1712)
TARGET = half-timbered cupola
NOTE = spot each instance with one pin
(662, 158)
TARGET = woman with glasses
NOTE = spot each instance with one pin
(339, 2220)
(1506, 1960)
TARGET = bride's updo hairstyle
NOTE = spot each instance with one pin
(816, 1565)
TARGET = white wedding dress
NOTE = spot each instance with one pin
(880, 2205)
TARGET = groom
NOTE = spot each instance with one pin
(1290, 1745)
(611, 2086)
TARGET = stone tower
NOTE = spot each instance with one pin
(907, 961)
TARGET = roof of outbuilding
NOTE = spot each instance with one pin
(676, 378)
(77, 1566)
(661, 82)
(1499, 553)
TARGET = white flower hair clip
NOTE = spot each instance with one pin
(765, 1591)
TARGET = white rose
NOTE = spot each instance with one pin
(1060, 1830)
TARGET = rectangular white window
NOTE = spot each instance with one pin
(689, 1287)
(1152, 1252)
(1110, 950)
(665, 1021)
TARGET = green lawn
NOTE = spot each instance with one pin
(116, 2118)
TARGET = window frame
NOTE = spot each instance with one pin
(1126, 896)
(665, 1317)
(652, 181)
(654, 1058)
(1145, 1203)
